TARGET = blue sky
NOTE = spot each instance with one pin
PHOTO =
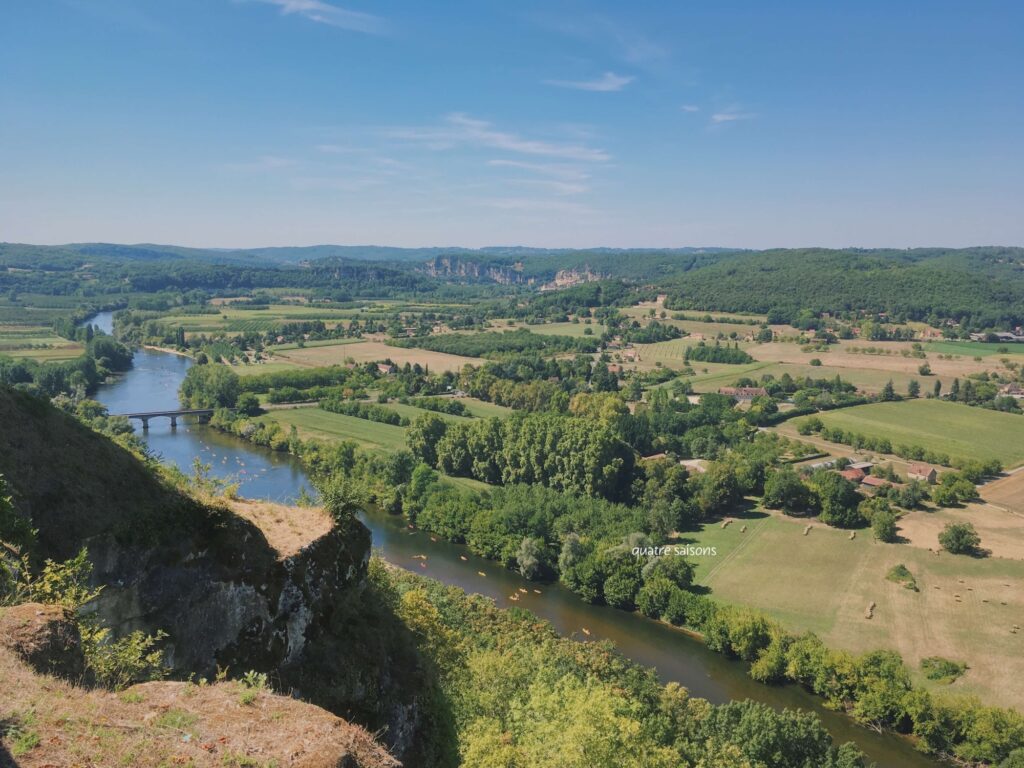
(569, 124)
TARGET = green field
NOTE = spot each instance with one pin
(317, 343)
(411, 412)
(973, 348)
(483, 410)
(36, 342)
(958, 430)
(271, 367)
(324, 425)
(567, 329)
(235, 320)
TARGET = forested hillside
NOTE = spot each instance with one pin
(986, 284)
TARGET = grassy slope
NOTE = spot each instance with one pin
(75, 483)
(323, 425)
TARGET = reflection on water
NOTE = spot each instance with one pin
(152, 384)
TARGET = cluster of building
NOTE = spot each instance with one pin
(860, 473)
(1015, 336)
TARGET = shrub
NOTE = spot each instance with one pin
(883, 523)
(942, 670)
(960, 539)
(902, 575)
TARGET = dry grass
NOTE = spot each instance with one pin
(1007, 492)
(288, 529)
(822, 582)
(48, 722)
(872, 371)
(1001, 532)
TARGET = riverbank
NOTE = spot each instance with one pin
(168, 350)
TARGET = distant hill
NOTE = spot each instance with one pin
(984, 284)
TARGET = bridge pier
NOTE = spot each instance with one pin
(203, 414)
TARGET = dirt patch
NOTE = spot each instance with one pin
(48, 722)
(288, 529)
(1001, 532)
(1007, 492)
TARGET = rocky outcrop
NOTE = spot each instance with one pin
(476, 270)
(229, 601)
(567, 278)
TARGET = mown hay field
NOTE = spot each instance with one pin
(372, 351)
(824, 581)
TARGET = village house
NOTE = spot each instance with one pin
(922, 472)
(853, 475)
(863, 466)
(386, 369)
(743, 393)
(878, 482)
(1012, 390)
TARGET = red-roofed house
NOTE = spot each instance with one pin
(922, 472)
(853, 475)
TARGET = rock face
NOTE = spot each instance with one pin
(233, 602)
(45, 637)
(471, 269)
(567, 278)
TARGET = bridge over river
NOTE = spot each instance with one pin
(204, 415)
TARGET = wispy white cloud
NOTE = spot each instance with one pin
(461, 130)
(554, 170)
(690, 108)
(536, 205)
(613, 34)
(730, 115)
(332, 15)
(608, 82)
(262, 163)
(555, 186)
(339, 149)
(335, 184)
